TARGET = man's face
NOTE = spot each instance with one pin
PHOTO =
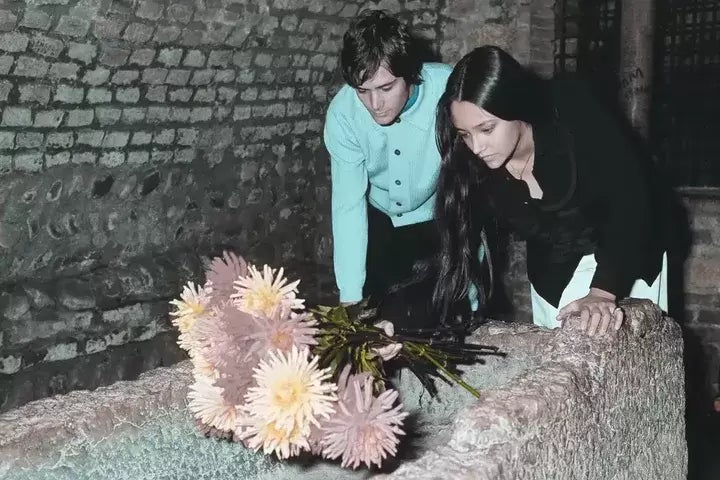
(384, 95)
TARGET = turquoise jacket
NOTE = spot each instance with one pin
(399, 162)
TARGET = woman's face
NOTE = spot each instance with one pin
(490, 138)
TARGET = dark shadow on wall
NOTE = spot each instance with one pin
(88, 372)
(427, 51)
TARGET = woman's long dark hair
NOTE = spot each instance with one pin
(491, 79)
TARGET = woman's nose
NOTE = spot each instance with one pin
(477, 146)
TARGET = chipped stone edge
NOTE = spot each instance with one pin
(92, 414)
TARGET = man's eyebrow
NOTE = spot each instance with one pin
(387, 83)
(379, 86)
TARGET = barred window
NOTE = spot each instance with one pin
(685, 119)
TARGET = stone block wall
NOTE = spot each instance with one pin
(139, 137)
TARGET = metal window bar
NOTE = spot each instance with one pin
(685, 126)
(685, 122)
(587, 38)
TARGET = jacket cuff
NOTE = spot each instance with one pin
(353, 294)
(606, 278)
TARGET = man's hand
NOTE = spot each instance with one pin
(598, 311)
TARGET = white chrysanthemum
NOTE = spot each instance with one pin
(201, 366)
(265, 292)
(291, 392)
(208, 404)
(271, 439)
(194, 304)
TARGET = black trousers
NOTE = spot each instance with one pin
(401, 270)
(394, 251)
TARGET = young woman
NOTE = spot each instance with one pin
(543, 158)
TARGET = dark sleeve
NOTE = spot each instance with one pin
(616, 189)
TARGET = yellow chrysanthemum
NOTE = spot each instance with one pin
(194, 303)
(291, 392)
(266, 292)
(208, 404)
(271, 439)
(201, 367)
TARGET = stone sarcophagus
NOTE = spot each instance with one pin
(560, 405)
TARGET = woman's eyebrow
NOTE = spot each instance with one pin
(481, 124)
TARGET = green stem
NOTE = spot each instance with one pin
(452, 376)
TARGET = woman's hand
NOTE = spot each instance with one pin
(598, 311)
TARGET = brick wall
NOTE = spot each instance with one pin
(136, 138)
(699, 307)
(139, 137)
(466, 24)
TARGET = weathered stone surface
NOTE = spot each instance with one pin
(96, 412)
(566, 414)
(588, 399)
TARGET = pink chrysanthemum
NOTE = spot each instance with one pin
(236, 384)
(209, 405)
(365, 428)
(222, 274)
(281, 330)
(316, 435)
(265, 292)
(223, 341)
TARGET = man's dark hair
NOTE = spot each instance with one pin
(374, 39)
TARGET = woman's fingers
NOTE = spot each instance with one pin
(566, 310)
(592, 318)
(584, 319)
(607, 320)
(619, 317)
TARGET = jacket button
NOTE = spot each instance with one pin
(398, 204)
(399, 214)
(398, 182)
(397, 152)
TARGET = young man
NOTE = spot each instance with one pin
(380, 133)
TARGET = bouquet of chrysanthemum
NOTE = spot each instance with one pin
(272, 375)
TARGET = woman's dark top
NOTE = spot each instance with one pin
(597, 198)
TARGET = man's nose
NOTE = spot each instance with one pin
(375, 101)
